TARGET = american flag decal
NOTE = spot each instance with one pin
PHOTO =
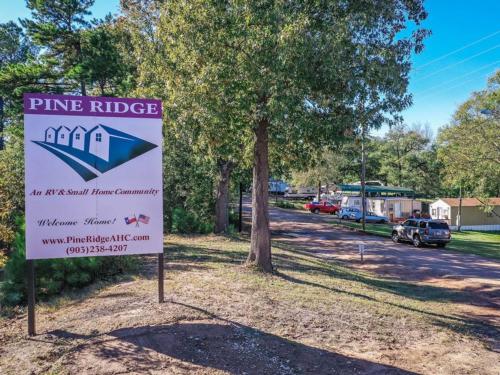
(143, 219)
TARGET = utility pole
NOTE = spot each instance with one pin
(459, 224)
(363, 177)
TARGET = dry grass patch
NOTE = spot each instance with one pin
(221, 317)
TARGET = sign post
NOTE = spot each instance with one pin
(361, 247)
(161, 268)
(93, 180)
(31, 297)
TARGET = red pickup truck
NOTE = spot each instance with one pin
(326, 207)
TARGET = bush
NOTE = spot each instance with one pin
(285, 204)
(234, 217)
(184, 221)
(55, 275)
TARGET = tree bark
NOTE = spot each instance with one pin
(260, 240)
(82, 88)
(222, 200)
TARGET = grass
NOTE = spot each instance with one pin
(486, 244)
(297, 268)
(311, 287)
(308, 305)
(289, 204)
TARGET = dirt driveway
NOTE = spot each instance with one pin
(477, 277)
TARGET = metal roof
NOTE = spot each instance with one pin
(375, 189)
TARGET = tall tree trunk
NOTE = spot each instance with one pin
(78, 47)
(82, 88)
(260, 240)
(319, 190)
(222, 200)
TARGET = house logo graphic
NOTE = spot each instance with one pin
(93, 152)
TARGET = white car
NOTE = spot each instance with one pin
(346, 213)
(369, 217)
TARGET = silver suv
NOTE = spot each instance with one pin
(422, 231)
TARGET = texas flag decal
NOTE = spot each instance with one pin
(130, 220)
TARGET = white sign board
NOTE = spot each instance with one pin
(93, 176)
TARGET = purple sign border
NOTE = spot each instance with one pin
(84, 109)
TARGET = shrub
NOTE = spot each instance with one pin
(55, 275)
(184, 221)
(234, 216)
(3, 260)
(285, 204)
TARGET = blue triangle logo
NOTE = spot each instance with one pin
(92, 152)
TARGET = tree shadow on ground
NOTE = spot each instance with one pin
(216, 344)
(289, 260)
(196, 254)
(297, 260)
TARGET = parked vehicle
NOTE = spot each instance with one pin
(301, 193)
(370, 217)
(346, 212)
(326, 207)
(277, 187)
(422, 231)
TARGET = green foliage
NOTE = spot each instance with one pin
(408, 157)
(69, 51)
(11, 185)
(297, 71)
(284, 204)
(56, 26)
(55, 275)
(234, 216)
(14, 47)
(103, 64)
(469, 147)
(184, 221)
(227, 66)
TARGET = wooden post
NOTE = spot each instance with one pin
(31, 297)
(240, 209)
(161, 268)
(361, 247)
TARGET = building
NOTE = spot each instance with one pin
(395, 208)
(77, 138)
(277, 186)
(474, 216)
(98, 142)
(50, 135)
(103, 141)
(397, 203)
(63, 135)
(375, 190)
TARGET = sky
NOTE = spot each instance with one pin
(463, 50)
(441, 79)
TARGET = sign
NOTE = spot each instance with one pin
(93, 176)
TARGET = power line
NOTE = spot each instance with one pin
(458, 63)
(447, 88)
(458, 50)
(430, 89)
